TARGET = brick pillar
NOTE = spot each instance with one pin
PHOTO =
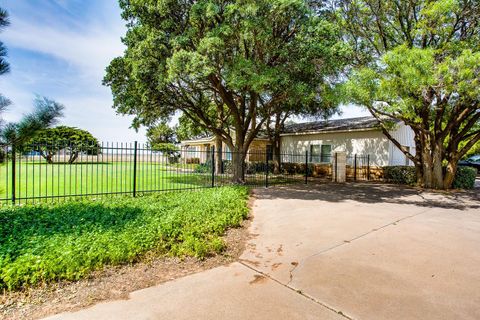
(339, 166)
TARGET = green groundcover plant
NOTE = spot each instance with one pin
(49, 242)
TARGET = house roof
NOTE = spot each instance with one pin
(350, 124)
(210, 138)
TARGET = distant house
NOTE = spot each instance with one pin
(200, 149)
(321, 139)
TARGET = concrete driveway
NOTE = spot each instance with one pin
(346, 251)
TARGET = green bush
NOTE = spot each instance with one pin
(465, 178)
(297, 168)
(203, 167)
(48, 242)
(400, 174)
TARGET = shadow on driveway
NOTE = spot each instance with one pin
(372, 192)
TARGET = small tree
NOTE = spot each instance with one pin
(162, 137)
(49, 142)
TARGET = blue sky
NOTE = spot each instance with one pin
(59, 49)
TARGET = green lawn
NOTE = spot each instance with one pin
(41, 179)
(48, 242)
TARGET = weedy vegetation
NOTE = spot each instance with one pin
(66, 241)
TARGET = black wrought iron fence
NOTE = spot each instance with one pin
(59, 171)
(358, 167)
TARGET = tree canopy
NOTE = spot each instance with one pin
(225, 64)
(48, 142)
(419, 62)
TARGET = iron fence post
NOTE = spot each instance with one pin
(135, 151)
(355, 168)
(336, 161)
(13, 173)
(368, 167)
(306, 166)
(266, 169)
(213, 167)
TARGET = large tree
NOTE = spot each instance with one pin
(419, 62)
(226, 64)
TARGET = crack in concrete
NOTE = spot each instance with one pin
(298, 291)
(346, 242)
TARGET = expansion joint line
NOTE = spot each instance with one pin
(297, 291)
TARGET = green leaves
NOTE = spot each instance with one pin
(45, 114)
(50, 141)
(215, 60)
(51, 242)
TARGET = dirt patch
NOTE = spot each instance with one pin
(115, 283)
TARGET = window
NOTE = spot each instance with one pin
(191, 152)
(315, 153)
(228, 153)
(326, 153)
(320, 153)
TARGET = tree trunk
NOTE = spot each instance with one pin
(437, 168)
(427, 169)
(218, 155)
(450, 174)
(238, 166)
(73, 157)
(276, 153)
(47, 156)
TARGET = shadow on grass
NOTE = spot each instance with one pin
(365, 192)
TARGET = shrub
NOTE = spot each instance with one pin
(400, 174)
(204, 167)
(49, 242)
(297, 168)
(465, 178)
(192, 161)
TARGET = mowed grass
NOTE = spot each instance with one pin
(49, 242)
(40, 179)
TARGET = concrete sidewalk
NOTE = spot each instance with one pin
(352, 251)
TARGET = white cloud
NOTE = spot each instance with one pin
(85, 48)
(90, 49)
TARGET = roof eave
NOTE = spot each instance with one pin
(329, 131)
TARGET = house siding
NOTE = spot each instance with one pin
(371, 142)
(405, 136)
(201, 149)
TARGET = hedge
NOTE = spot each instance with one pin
(464, 178)
(400, 174)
